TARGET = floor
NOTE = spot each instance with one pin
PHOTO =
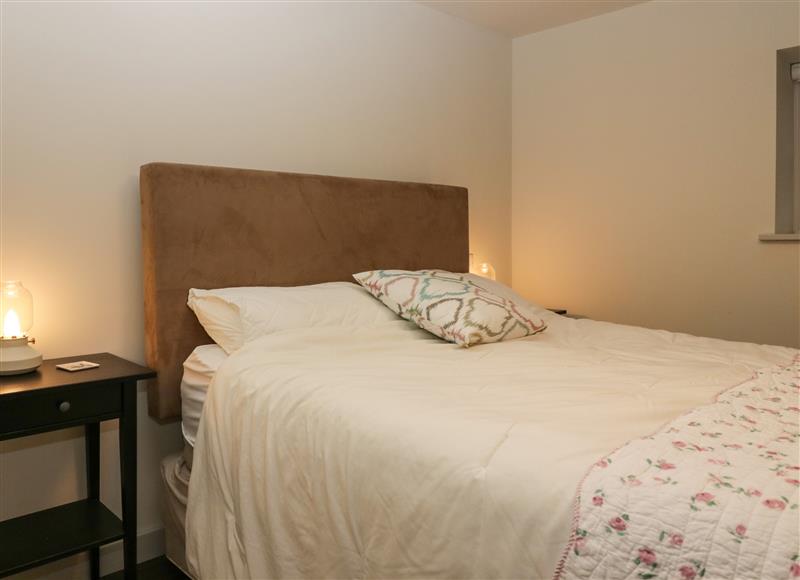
(155, 569)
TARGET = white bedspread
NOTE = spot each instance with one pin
(388, 453)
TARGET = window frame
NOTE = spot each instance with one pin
(787, 162)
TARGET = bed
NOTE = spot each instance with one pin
(206, 227)
(386, 452)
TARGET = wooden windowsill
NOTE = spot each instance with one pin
(779, 237)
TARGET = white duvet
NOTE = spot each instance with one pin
(385, 452)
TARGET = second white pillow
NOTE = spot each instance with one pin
(252, 312)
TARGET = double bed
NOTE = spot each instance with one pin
(381, 450)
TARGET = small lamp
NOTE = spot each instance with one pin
(16, 317)
(486, 270)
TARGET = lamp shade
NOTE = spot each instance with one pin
(16, 309)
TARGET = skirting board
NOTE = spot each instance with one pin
(150, 544)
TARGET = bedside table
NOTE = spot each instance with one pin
(563, 312)
(51, 399)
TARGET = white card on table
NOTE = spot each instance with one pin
(80, 365)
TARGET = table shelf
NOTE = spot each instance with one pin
(54, 533)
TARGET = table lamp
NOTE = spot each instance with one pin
(16, 316)
(486, 270)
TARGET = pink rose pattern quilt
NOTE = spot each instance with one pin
(714, 494)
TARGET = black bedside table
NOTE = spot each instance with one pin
(563, 312)
(51, 399)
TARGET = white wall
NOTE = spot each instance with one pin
(643, 169)
(91, 91)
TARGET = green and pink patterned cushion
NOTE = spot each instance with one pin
(451, 306)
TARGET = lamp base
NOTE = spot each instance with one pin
(18, 357)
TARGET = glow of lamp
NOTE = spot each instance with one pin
(11, 325)
(487, 270)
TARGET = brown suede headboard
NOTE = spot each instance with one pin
(214, 227)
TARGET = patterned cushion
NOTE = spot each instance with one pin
(451, 306)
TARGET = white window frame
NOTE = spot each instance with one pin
(787, 148)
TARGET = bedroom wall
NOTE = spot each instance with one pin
(90, 91)
(643, 169)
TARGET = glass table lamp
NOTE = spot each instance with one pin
(16, 315)
(486, 270)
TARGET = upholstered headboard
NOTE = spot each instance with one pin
(214, 227)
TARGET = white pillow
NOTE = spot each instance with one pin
(234, 316)
(218, 316)
(506, 292)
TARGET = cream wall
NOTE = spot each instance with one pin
(91, 91)
(643, 169)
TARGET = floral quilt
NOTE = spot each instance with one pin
(714, 494)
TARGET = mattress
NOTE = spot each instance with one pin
(175, 471)
(198, 370)
(388, 453)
